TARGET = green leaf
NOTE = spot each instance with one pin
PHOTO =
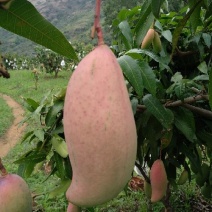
(60, 165)
(181, 25)
(145, 21)
(208, 12)
(126, 32)
(184, 121)
(51, 116)
(206, 137)
(26, 169)
(33, 157)
(195, 19)
(195, 162)
(167, 35)
(27, 135)
(60, 189)
(148, 76)
(156, 4)
(207, 39)
(210, 89)
(203, 77)
(136, 52)
(164, 115)
(23, 19)
(39, 134)
(132, 72)
(134, 104)
(30, 104)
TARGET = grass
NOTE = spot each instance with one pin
(6, 116)
(22, 84)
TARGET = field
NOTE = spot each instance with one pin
(22, 84)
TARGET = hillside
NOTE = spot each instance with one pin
(73, 18)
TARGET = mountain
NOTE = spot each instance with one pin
(73, 18)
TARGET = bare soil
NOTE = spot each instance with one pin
(14, 133)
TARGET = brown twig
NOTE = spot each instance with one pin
(203, 112)
(2, 169)
(97, 25)
(186, 103)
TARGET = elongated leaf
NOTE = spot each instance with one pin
(52, 114)
(156, 4)
(207, 39)
(59, 165)
(149, 78)
(168, 35)
(195, 19)
(195, 162)
(39, 134)
(164, 115)
(181, 25)
(145, 21)
(34, 157)
(210, 88)
(132, 72)
(23, 19)
(126, 32)
(136, 52)
(184, 121)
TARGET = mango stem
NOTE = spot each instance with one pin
(2, 169)
(97, 25)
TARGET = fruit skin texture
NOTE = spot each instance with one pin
(148, 39)
(157, 46)
(183, 177)
(158, 180)
(99, 129)
(15, 195)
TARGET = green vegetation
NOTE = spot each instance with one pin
(22, 84)
(6, 117)
(170, 91)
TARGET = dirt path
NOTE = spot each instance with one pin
(14, 133)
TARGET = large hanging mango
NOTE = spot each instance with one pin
(99, 129)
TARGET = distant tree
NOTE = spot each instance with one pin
(111, 8)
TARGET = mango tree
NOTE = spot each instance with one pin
(169, 85)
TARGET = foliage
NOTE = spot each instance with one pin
(33, 26)
(170, 92)
(6, 119)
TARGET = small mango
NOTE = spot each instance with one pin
(183, 177)
(148, 39)
(147, 189)
(158, 180)
(157, 46)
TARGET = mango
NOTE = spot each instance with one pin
(148, 39)
(99, 129)
(147, 189)
(157, 46)
(158, 180)
(15, 195)
(73, 208)
(183, 177)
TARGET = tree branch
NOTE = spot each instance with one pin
(203, 112)
(2, 169)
